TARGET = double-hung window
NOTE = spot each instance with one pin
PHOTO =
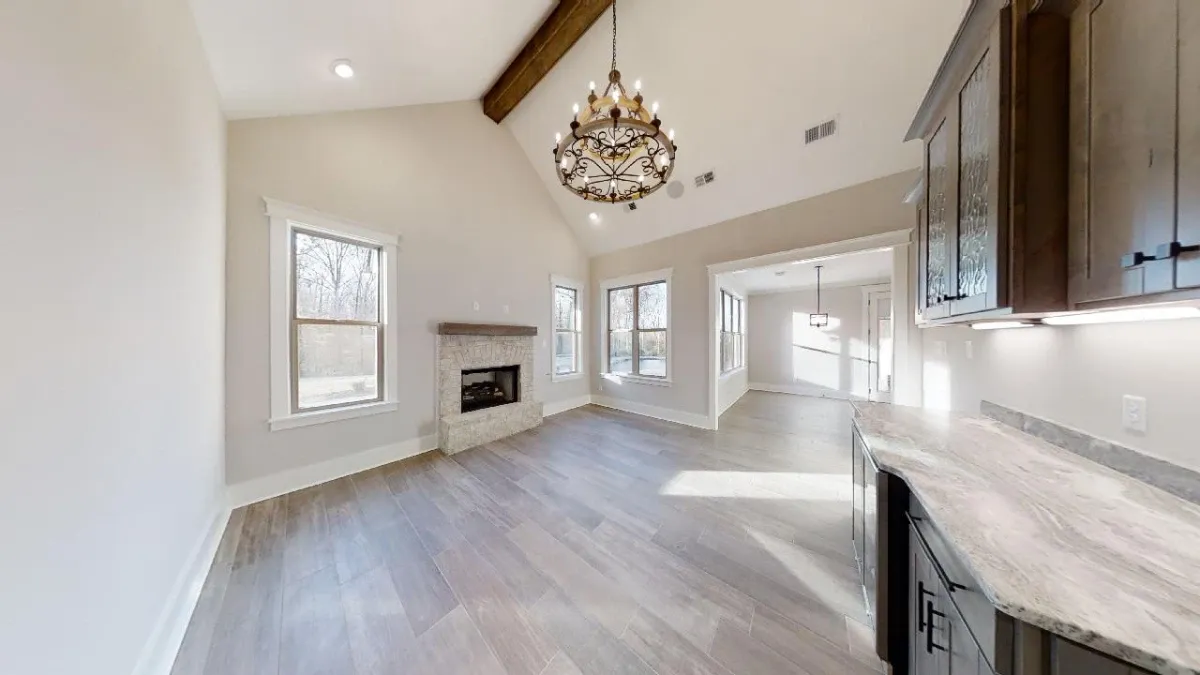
(733, 334)
(637, 324)
(567, 356)
(332, 345)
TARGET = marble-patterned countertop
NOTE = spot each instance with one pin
(1053, 539)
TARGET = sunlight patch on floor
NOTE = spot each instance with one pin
(824, 487)
(812, 571)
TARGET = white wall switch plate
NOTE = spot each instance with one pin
(1133, 413)
(476, 305)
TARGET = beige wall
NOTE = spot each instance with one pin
(866, 209)
(786, 352)
(477, 226)
(1076, 376)
(111, 398)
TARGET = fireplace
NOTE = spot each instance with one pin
(490, 387)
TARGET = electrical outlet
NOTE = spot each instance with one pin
(1133, 413)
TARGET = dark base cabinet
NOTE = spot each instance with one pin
(930, 615)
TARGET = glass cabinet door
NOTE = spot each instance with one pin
(936, 232)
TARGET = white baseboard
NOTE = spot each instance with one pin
(258, 489)
(668, 414)
(727, 406)
(555, 407)
(158, 656)
(804, 390)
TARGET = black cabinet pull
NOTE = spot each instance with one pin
(930, 645)
(921, 593)
(1172, 250)
(1165, 251)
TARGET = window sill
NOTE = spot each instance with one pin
(335, 415)
(567, 377)
(637, 379)
(730, 373)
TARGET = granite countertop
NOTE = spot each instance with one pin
(1053, 539)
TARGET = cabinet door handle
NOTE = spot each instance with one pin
(921, 593)
(1166, 251)
(930, 645)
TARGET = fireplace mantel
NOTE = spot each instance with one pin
(494, 329)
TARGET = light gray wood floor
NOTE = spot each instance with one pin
(601, 542)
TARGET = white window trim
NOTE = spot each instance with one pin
(283, 219)
(580, 293)
(721, 325)
(631, 280)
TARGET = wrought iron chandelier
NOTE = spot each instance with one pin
(818, 319)
(616, 150)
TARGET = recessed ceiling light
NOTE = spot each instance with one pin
(594, 217)
(342, 69)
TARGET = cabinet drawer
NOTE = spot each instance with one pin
(991, 630)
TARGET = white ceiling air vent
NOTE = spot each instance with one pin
(822, 130)
(705, 178)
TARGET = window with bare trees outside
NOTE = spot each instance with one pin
(636, 331)
(733, 338)
(337, 350)
(332, 346)
(567, 329)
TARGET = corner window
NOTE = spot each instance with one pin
(733, 332)
(637, 327)
(332, 345)
(567, 352)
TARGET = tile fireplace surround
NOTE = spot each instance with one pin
(469, 346)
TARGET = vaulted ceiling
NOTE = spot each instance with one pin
(738, 81)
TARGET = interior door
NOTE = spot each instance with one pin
(881, 353)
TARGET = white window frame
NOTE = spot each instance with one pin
(580, 293)
(284, 220)
(741, 315)
(663, 275)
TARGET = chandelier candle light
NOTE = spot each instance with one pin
(616, 150)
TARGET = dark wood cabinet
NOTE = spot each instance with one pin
(865, 521)
(1135, 151)
(992, 233)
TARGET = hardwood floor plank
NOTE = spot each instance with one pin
(193, 651)
(434, 527)
(308, 547)
(576, 510)
(246, 641)
(380, 639)
(561, 664)
(592, 647)
(314, 640)
(666, 651)
(801, 646)
(453, 645)
(590, 590)
(808, 612)
(422, 589)
(861, 640)
(741, 653)
(353, 553)
(521, 648)
(524, 581)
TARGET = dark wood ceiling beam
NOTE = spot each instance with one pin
(569, 20)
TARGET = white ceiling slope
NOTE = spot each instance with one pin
(739, 82)
(273, 57)
(854, 269)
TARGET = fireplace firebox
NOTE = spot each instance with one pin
(490, 387)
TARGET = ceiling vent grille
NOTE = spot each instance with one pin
(705, 178)
(632, 206)
(822, 130)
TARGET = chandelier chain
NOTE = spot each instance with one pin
(614, 60)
